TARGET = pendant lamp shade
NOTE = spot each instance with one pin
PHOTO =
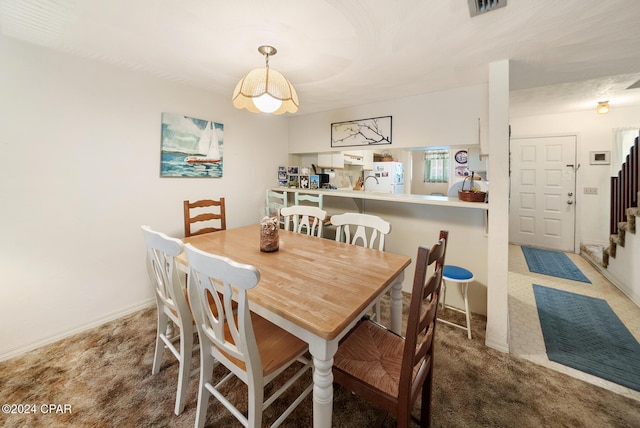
(264, 90)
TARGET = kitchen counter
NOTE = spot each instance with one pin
(447, 201)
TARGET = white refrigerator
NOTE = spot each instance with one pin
(388, 178)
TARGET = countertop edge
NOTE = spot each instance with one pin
(447, 201)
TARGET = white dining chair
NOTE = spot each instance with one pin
(253, 349)
(365, 230)
(172, 305)
(274, 201)
(309, 200)
(304, 219)
(306, 199)
(361, 229)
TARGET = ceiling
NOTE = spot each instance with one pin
(565, 55)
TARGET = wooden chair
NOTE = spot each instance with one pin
(274, 202)
(172, 305)
(391, 371)
(304, 219)
(190, 218)
(366, 229)
(252, 348)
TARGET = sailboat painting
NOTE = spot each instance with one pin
(191, 147)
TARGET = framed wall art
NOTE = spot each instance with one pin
(190, 147)
(361, 132)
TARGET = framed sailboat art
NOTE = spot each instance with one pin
(190, 147)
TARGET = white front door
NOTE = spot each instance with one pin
(542, 203)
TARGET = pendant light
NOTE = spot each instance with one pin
(265, 90)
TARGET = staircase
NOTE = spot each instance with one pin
(623, 213)
(623, 209)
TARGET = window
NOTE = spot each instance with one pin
(436, 166)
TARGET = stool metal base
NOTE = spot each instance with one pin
(464, 286)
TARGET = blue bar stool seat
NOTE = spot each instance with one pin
(463, 277)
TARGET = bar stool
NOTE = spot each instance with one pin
(463, 277)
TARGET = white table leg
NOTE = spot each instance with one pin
(396, 304)
(323, 353)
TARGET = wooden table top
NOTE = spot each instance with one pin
(318, 284)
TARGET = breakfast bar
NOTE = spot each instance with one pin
(415, 219)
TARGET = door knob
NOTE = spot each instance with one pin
(570, 194)
(569, 202)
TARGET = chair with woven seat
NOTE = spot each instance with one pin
(364, 230)
(193, 213)
(391, 371)
(172, 305)
(253, 349)
(304, 219)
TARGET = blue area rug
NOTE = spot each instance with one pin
(584, 333)
(552, 263)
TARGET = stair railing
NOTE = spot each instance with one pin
(624, 189)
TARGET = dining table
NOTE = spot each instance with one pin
(315, 288)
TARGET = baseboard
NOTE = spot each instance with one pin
(499, 346)
(615, 281)
(620, 286)
(107, 318)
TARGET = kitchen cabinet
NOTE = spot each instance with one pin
(367, 164)
(354, 157)
(331, 160)
(363, 158)
(476, 160)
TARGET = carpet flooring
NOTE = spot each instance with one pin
(552, 263)
(584, 333)
(104, 374)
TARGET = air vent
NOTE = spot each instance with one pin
(478, 7)
(635, 85)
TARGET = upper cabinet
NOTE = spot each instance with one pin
(476, 160)
(363, 158)
(353, 157)
(331, 160)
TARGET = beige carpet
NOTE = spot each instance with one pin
(105, 376)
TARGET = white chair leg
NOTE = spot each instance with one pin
(162, 327)
(466, 307)
(206, 373)
(256, 399)
(186, 349)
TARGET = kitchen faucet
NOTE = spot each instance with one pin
(369, 176)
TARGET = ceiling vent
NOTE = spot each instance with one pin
(635, 85)
(478, 7)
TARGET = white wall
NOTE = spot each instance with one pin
(595, 132)
(80, 153)
(447, 118)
